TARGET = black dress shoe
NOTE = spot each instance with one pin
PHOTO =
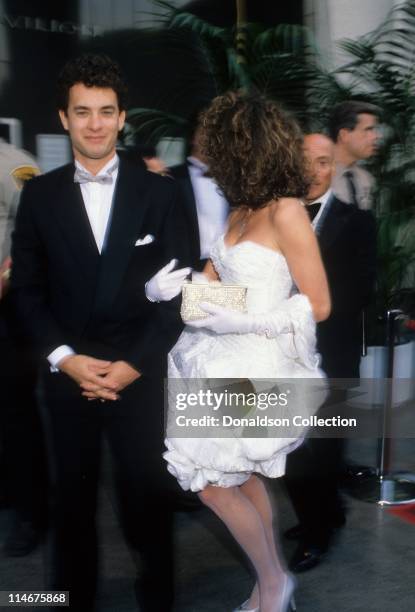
(306, 557)
(294, 533)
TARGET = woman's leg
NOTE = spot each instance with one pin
(255, 490)
(245, 523)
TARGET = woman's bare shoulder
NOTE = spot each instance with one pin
(286, 210)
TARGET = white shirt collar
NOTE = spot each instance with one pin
(194, 161)
(323, 201)
(342, 168)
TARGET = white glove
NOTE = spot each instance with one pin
(223, 320)
(165, 285)
(270, 324)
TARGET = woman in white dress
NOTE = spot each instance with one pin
(255, 155)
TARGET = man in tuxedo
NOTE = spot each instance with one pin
(88, 236)
(353, 127)
(206, 208)
(347, 241)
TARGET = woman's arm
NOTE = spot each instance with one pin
(299, 246)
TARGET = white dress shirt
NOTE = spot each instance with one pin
(97, 200)
(212, 208)
(323, 201)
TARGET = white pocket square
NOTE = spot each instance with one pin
(146, 240)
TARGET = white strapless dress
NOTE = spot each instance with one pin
(201, 354)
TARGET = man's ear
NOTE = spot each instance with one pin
(121, 120)
(343, 134)
(64, 119)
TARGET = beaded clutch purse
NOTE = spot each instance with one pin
(228, 296)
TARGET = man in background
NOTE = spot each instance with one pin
(353, 127)
(16, 167)
(347, 240)
(206, 208)
(145, 156)
(21, 439)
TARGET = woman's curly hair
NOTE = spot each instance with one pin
(93, 70)
(254, 150)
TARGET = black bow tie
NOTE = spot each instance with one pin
(313, 209)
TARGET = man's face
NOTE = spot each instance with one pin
(361, 142)
(319, 155)
(93, 120)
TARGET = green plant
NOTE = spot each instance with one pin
(247, 55)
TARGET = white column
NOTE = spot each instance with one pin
(333, 20)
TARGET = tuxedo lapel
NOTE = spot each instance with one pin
(333, 223)
(183, 177)
(74, 224)
(125, 221)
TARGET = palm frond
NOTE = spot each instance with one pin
(196, 25)
(150, 124)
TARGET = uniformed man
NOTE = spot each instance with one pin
(16, 167)
(353, 127)
(21, 442)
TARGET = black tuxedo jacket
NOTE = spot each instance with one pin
(347, 241)
(182, 177)
(65, 292)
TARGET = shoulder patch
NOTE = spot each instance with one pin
(21, 174)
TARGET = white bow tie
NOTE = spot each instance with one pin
(82, 176)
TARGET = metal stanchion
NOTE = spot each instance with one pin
(364, 334)
(384, 487)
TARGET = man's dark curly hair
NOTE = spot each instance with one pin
(254, 150)
(93, 71)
